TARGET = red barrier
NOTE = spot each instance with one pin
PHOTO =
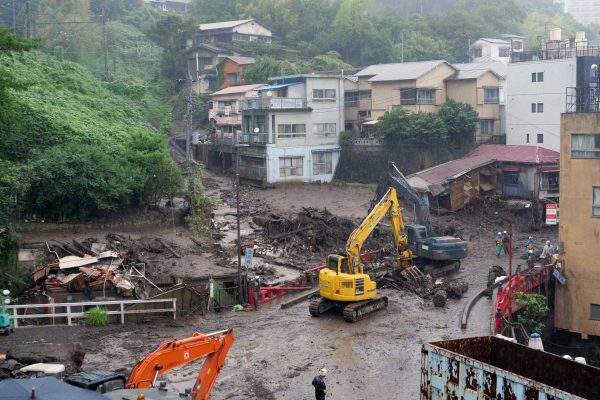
(526, 282)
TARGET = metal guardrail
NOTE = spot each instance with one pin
(70, 314)
(583, 100)
(277, 103)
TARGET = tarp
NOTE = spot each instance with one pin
(279, 86)
(47, 388)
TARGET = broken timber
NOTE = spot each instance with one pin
(299, 299)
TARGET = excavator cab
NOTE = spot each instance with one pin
(342, 282)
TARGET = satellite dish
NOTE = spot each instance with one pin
(269, 93)
(256, 130)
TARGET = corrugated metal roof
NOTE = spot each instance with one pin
(475, 70)
(223, 25)
(495, 41)
(237, 89)
(241, 60)
(279, 86)
(441, 173)
(517, 153)
(399, 71)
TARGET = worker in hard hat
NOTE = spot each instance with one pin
(498, 244)
(319, 384)
(547, 253)
(529, 244)
(505, 242)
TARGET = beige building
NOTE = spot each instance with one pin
(577, 302)
(482, 86)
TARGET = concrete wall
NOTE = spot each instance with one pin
(275, 153)
(522, 92)
(369, 164)
(579, 232)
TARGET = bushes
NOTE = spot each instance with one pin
(96, 316)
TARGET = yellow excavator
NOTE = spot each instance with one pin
(343, 283)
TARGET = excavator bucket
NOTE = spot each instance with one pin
(413, 275)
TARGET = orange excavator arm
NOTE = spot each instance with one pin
(174, 353)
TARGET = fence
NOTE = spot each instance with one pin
(77, 310)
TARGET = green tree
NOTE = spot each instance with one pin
(461, 121)
(330, 61)
(399, 126)
(532, 311)
(268, 67)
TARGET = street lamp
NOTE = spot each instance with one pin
(237, 146)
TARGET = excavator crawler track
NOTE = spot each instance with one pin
(319, 306)
(356, 311)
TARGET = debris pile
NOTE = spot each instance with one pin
(117, 263)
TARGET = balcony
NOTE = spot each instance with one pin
(555, 52)
(255, 138)
(275, 103)
(583, 100)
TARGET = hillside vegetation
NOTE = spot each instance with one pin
(74, 146)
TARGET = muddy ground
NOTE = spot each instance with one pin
(278, 352)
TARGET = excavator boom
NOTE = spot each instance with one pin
(174, 353)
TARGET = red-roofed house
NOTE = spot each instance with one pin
(527, 172)
(530, 172)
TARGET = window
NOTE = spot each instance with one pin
(527, 138)
(477, 52)
(324, 129)
(205, 61)
(550, 181)
(290, 166)
(408, 96)
(227, 107)
(537, 77)
(596, 202)
(537, 107)
(322, 163)
(585, 146)
(324, 95)
(233, 78)
(291, 130)
(595, 311)
(352, 99)
(504, 52)
(486, 126)
(511, 178)
(491, 95)
(540, 138)
(426, 96)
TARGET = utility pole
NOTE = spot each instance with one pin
(510, 254)
(27, 21)
(188, 135)
(14, 16)
(104, 46)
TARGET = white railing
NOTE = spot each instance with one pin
(70, 314)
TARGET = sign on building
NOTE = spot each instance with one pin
(552, 214)
(249, 256)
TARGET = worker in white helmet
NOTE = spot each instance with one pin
(498, 244)
(547, 253)
(319, 384)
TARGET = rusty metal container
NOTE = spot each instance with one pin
(489, 368)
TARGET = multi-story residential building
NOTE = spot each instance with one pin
(233, 70)
(487, 49)
(224, 114)
(482, 85)
(213, 43)
(292, 129)
(535, 99)
(584, 11)
(416, 86)
(577, 301)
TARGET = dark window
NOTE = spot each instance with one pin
(426, 96)
(511, 178)
(596, 202)
(540, 138)
(527, 138)
(533, 107)
(533, 77)
(477, 52)
(595, 311)
(540, 77)
(408, 96)
(540, 107)
(486, 126)
(504, 52)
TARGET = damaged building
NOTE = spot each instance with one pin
(521, 172)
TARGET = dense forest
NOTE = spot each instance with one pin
(88, 102)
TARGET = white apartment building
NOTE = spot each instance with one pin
(535, 98)
(292, 129)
